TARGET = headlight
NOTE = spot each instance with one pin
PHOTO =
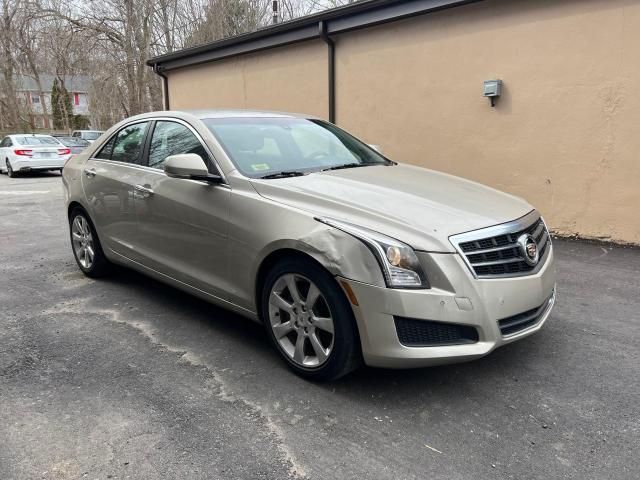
(398, 261)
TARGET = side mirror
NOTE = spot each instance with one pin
(189, 166)
(377, 148)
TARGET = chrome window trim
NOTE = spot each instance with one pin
(156, 171)
(497, 230)
(147, 168)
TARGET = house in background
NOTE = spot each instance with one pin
(36, 102)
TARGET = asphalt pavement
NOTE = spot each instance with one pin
(128, 378)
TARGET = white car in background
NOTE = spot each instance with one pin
(28, 152)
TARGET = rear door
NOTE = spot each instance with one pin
(183, 223)
(108, 180)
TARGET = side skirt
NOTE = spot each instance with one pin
(185, 287)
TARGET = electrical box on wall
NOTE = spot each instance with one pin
(492, 89)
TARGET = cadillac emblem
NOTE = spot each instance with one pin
(529, 249)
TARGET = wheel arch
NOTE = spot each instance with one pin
(75, 204)
(337, 252)
(270, 261)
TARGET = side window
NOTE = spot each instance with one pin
(4, 142)
(76, 134)
(107, 150)
(129, 144)
(172, 138)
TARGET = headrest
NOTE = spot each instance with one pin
(245, 140)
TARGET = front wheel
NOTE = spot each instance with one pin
(309, 320)
(86, 245)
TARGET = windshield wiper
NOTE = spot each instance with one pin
(285, 174)
(346, 165)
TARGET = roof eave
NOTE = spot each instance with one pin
(337, 20)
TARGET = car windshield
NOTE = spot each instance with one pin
(274, 146)
(36, 141)
(91, 135)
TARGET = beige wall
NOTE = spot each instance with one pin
(565, 135)
(292, 79)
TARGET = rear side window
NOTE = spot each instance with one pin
(106, 151)
(5, 143)
(171, 138)
(126, 146)
(129, 144)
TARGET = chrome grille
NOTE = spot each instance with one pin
(494, 252)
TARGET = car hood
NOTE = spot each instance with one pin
(418, 206)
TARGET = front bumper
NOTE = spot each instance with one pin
(455, 298)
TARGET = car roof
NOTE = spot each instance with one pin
(29, 135)
(212, 113)
(232, 113)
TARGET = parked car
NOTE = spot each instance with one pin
(89, 135)
(75, 144)
(27, 152)
(344, 255)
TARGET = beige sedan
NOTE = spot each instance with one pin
(344, 255)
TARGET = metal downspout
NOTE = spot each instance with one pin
(157, 69)
(331, 53)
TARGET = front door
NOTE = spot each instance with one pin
(108, 180)
(182, 224)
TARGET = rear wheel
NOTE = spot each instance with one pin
(10, 171)
(309, 320)
(86, 245)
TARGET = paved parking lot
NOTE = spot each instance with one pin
(127, 378)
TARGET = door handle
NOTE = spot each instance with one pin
(143, 191)
(90, 173)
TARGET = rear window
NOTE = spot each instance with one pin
(91, 135)
(35, 141)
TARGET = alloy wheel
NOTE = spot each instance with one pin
(301, 320)
(82, 241)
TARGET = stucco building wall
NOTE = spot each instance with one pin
(565, 135)
(289, 79)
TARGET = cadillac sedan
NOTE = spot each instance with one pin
(344, 255)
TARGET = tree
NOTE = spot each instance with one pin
(110, 41)
(61, 106)
(55, 105)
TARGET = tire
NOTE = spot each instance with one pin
(343, 344)
(10, 171)
(98, 266)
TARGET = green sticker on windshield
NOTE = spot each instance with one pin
(260, 166)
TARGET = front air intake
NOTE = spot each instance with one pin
(426, 333)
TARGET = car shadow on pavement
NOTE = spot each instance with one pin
(36, 174)
(243, 338)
